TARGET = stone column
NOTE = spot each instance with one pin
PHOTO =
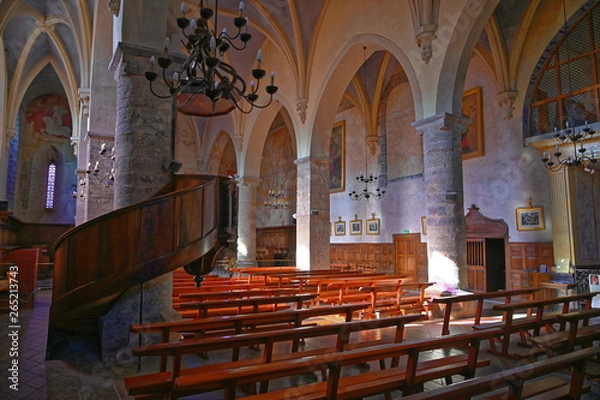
(144, 125)
(143, 137)
(312, 213)
(446, 242)
(246, 242)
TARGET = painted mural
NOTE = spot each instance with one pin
(49, 117)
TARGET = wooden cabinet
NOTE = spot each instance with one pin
(525, 261)
(411, 256)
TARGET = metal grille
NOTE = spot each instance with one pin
(576, 75)
(547, 88)
(544, 118)
(596, 25)
(551, 104)
(598, 66)
(580, 108)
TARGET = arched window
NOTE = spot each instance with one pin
(566, 88)
(50, 186)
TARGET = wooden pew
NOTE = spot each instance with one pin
(160, 383)
(258, 271)
(394, 299)
(449, 301)
(282, 278)
(515, 379)
(235, 324)
(250, 304)
(535, 322)
(565, 341)
(236, 294)
(407, 376)
(340, 289)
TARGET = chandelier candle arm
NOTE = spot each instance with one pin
(203, 75)
(579, 155)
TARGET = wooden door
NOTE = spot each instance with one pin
(476, 266)
(411, 256)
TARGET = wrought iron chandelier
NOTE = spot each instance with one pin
(570, 136)
(579, 155)
(276, 200)
(205, 85)
(361, 178)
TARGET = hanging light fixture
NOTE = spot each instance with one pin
(276, 200)
(97, 173)
(361, 177)
(205, 85)
(570, 136)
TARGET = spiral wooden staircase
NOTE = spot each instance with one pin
(186, 224)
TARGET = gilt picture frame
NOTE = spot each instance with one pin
(337, 158)
(472, 141)
(373, 225)
(356, 226)
(530, 218)
(339, 227)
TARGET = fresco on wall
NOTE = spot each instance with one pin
(222, 159)
(49, 117)
(277, 174)
(403, 145)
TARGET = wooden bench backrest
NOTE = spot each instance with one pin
(513, 376)
(565, 300)
(243, 320)
(343, 332)
(334, 361)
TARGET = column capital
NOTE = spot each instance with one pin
(442, 122)
(133, 59)
(249, 181)
(84, 100)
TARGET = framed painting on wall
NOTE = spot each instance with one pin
(337, 157)
(424, 225)
(530, 218)
(373, 225)
(356, 226)
(340, 227)
(472, 143)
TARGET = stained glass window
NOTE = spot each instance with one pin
(50, 186)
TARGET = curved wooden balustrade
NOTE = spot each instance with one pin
(97, 261)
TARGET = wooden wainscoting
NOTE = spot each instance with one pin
(375, 256)
(276, 245)
(525, 261)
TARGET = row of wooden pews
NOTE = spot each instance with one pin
(379, 293)
(291, 343)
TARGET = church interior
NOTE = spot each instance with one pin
(151, 148)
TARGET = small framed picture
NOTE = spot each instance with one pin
(423, 226)
(356, 226)
(340, 227)
(530, 218)
(373, 225)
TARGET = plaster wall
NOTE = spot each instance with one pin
(186, 149)
(509, 173)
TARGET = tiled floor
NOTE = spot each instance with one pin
(85, 378)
